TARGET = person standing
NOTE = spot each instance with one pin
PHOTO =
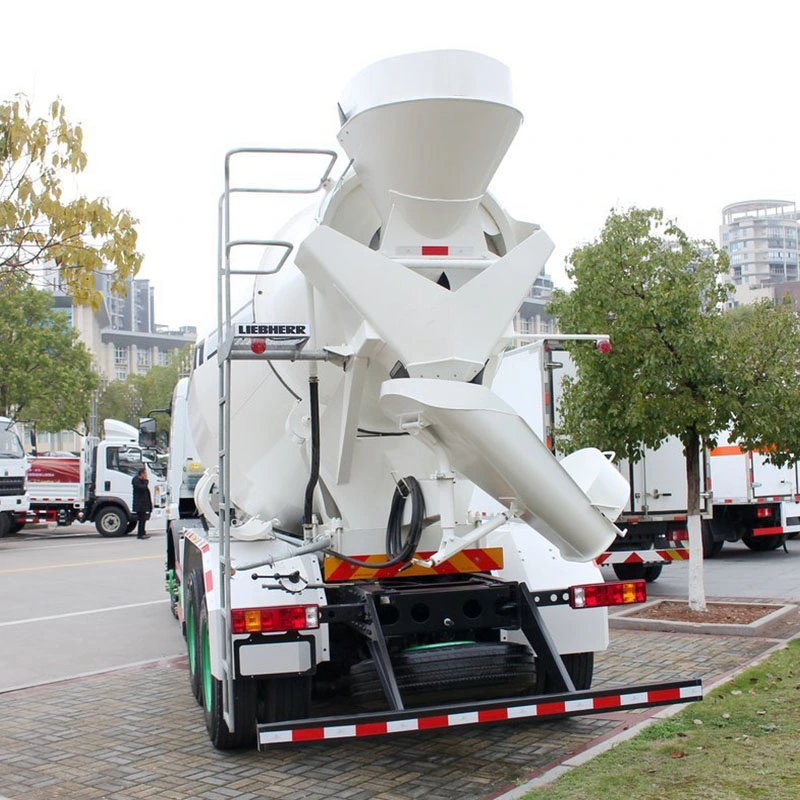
(142, 504)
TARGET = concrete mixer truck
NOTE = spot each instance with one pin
(337, 584)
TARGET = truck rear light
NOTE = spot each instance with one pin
(258, 346)
(763, 512)
(680, 535)
(278, 618)
(615, 593)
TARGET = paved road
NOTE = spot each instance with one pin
(73, 602)
(738, 572)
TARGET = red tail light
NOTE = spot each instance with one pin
(764, 512)
(679, 535)
(278, 618)
(615, 593)
(258, 346)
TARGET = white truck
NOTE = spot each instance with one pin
(743, 496)
(753, 501)
(338, 585)
(184, 470)
(13, 469)
(95, 486)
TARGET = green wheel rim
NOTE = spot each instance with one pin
(207, 676)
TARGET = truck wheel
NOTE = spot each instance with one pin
(174, 592)
(450, 672)
(194, 601)
(5, 524)
(244, 701)
(629, 572)
(131, 527)
(763, 543)
(580, 667)
(652, 572)
(111, 521)
(711, 546)
(16, 526)
(285, 698)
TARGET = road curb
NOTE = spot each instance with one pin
(622, 620)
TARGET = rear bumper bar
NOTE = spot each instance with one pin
(502, 710)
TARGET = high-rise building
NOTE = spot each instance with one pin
(122, 335)
(760, 237)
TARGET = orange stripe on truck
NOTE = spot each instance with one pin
(727, 450)
(475, 560)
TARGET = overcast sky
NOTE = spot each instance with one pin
(687, 106)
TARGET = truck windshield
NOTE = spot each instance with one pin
(10, 445)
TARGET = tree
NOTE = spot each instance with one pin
(659, 295)
(763, 351)
(45, 371)
(38, 225)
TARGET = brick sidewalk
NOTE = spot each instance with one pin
(138, 733)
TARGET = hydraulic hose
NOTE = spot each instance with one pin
(313, 399)
(399, 551)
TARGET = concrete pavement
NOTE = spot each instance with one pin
(137, 732)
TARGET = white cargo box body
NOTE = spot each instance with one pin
(738, 476)
(658, 482)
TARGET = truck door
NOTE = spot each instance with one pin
(767, 480)
(658, 481)
(119, 464)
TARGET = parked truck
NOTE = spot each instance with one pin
(348, 416)
(94, 486)
(753, 500)
(743, 497)
(13, 469)
(184, 470)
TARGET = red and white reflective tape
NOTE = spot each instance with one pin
(198, 541)
(642, 556)
(352, 728)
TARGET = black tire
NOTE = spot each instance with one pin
(629, 572)
(244, 701)
(132, 525)
(762, 543)
(711, 546)
(5, 524)
(285, 698)
(112, 521)
(580, 667)
(652, 572)
(194, 602)
(449, 673)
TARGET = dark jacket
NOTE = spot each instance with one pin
(142, 504)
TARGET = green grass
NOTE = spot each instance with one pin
(741, 742)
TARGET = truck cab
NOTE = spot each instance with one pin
(13, 468)
(107, 470)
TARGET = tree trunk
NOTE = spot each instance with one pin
(697, 590)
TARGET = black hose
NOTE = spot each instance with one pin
(313, 399)
(399, 551)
